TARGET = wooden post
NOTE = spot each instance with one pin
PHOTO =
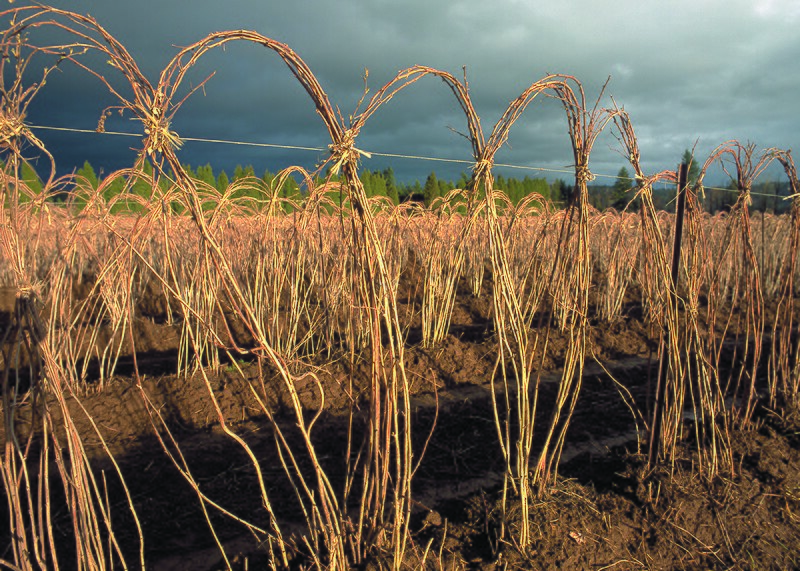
(663, 363)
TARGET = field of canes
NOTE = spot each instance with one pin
(194, 379)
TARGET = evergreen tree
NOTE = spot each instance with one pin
(431, 189)
(558, 191)
(206, 174)
(128, 187)
(268, 179)
(529, 186)
(694, 168)
(366, 179)
(619, 192)
(393, 193)
(444, 187)
(222, 182)
(85, 181)
(540, 185)
(87, 172)
(378, 184)
(142, 186)
(252, 189)
(290, 189)
(515, 190)
(500, 183)
(565, 192)
(30, 178)
(189, 171)
(391, 185)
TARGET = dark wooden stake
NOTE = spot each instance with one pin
(663, 363)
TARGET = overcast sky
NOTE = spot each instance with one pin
(687, 71)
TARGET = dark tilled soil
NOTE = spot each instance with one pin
(605, 512)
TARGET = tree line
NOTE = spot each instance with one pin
(376, 183)
(766, 196)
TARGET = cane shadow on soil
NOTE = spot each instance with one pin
(169, 509)
(461, 460)
(469, 333)
(150, 363)
(458, 479)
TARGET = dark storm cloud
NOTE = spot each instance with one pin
(686, 71)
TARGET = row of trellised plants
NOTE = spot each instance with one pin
(325, 279)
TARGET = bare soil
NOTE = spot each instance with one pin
(606, 512)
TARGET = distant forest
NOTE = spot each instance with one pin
(766, 196)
